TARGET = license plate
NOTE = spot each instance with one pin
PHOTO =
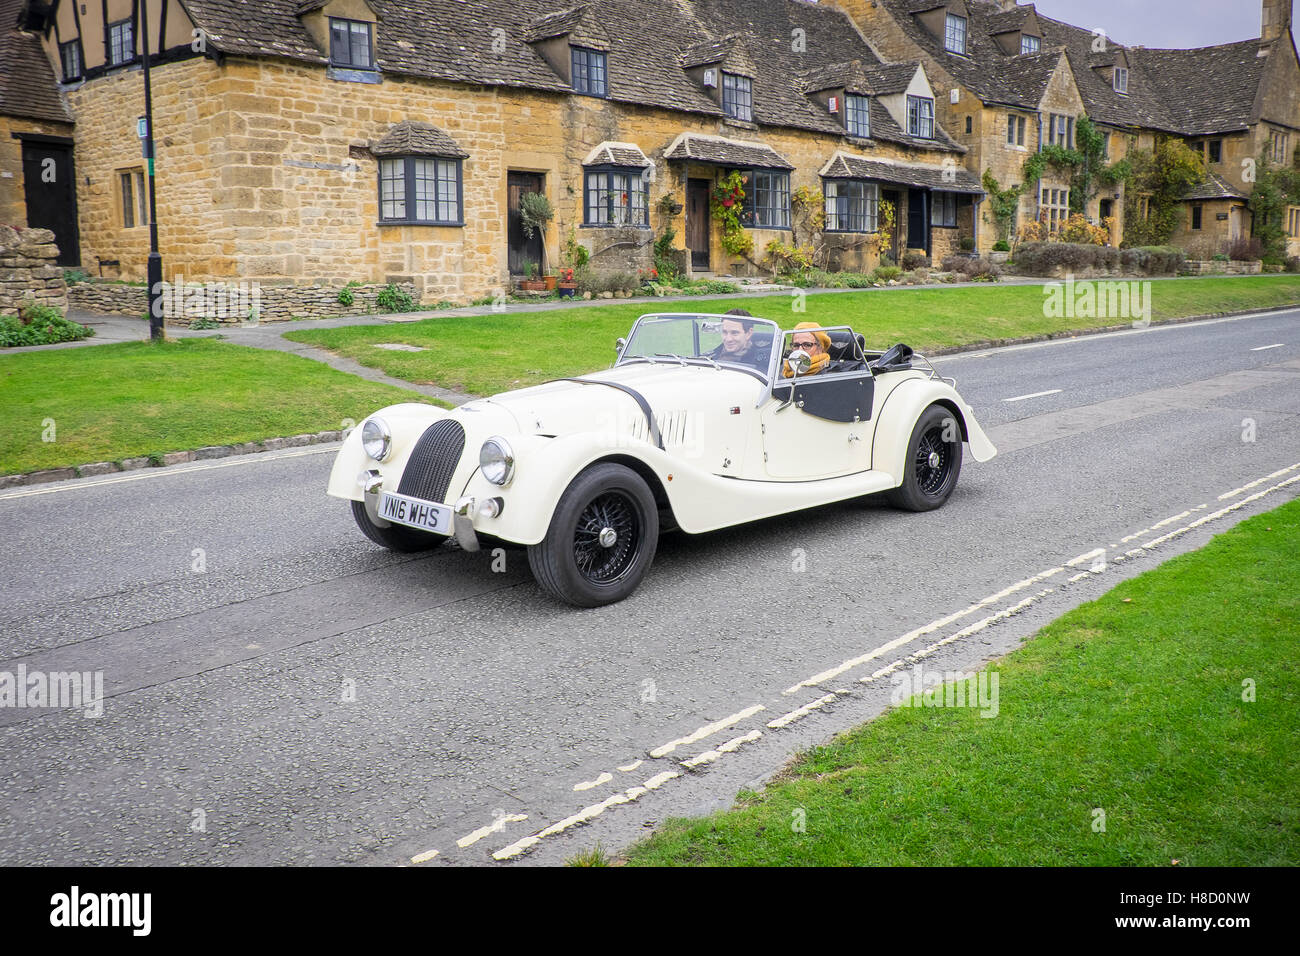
(414, 513)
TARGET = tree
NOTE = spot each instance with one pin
(1163, 177)
(1276, 187)
(1003, 204)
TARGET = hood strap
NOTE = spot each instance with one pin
(637, 397)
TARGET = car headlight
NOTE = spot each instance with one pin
(497, 461)
(376, 439)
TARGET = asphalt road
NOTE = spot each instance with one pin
(280, 691)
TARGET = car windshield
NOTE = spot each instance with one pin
(723, 339)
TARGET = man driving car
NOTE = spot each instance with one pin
(738, 342)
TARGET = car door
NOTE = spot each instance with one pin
(818, 427)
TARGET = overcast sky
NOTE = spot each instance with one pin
(1161, 23)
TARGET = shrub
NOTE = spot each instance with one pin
(1033, 232)
(914, 259)
(977, 270)
(393, 299)
(1248, 249)
(1078, 229)
(857, 280)
(1044, 258)
(887, 273)
(888, 260)
(967, 244)
(346, 296)
(1001, 246)
(1293, 263)
(204, 323)
(73, 276)
(39, 325)
(1154, 260)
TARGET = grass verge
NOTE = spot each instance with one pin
(132, 399)
(1131, 705)
(482, 355)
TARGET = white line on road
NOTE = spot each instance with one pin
(1258, 481)
(424, 857)
(498, 824)
(1265, 348)
(786, 719)
(1021, 398)
(175, 470)
(706, 731)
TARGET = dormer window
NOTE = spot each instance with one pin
(70, 58)
(857, 115)
(920, 117)
(351, 44)
(738, 97)
(1121, 80)
(121, 42)
(1029, 44)
(954, 34)
(590, 74)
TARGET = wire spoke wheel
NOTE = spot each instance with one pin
(607, 539)
(934, 459)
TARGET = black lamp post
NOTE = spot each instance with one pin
(153, 272)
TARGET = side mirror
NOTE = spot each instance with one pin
(620, 345)
(799, 362)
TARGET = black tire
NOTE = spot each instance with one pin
(571, 564)
(932, 465)
(395, 537)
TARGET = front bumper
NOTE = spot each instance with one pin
(462, 512)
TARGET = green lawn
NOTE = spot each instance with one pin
(110, 402)
(487, 354)
(1132, 704)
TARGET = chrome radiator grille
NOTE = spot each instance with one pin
(436, 455)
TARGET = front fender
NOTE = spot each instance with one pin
(407, 423)
(898, 417)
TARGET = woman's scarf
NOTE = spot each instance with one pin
(819, 362)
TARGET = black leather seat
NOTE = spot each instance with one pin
(846, 351)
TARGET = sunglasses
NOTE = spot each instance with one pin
(810, 344)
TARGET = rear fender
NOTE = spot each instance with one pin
(899, 415)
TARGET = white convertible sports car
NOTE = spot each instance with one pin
(703, 421)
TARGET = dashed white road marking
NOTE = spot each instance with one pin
(1265, 348)
(628, 768)
(1021, 398)
(910, 636)
(424, 857)
(1096, 553)
(1258, 481)
(498, 824)
(731, 746)
(605, 777)
(706, 731)
(786, 719)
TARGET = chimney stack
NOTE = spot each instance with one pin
(1274, 20)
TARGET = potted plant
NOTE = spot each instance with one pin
(568, 284)
(530, 282)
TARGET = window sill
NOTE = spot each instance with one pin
(352, 74)
(771, 228)
(614, 225)
(419, 222)
(739, 123)
(594, 96)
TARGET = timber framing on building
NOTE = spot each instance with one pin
(330, 141)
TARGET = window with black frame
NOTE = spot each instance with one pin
(943, 210)
(767, 200)
(590, 75)
(857, 115)
(616, 196)
(920, 117)
(121, 42)
(852, 205)
(70, 59)
(738, 97)
(350, 44)
(423, 190)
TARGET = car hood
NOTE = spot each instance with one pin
(674, 393)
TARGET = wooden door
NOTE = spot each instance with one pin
(50, 189)
(697, 222)
(522, 250)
